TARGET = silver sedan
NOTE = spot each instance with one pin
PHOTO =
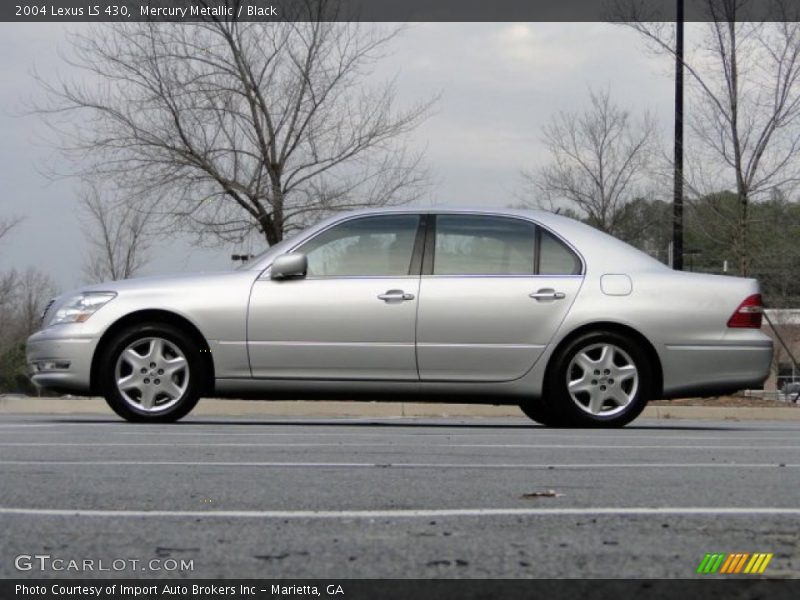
(501, 306)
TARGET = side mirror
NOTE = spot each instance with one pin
(289, 266)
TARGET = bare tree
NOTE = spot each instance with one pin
(745, 109)
(7, 280)
(600, 161)
(240, 126)
(34, 289)
(8, 333)
(22, 299)
(23, 296)
(118, 235)
(8, 224)
(7, 288)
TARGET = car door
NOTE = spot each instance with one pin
(353, 316)
(493, 293)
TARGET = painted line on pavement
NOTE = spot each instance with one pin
(748, 447)
(300, 465)
(406, 513)
(656, 436)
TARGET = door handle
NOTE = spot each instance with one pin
(395, 296)
(547, 294)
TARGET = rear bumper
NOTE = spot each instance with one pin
(61, 362)
(710, 370)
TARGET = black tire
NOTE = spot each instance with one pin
(174, 407)
(539, 411)
(565, 409)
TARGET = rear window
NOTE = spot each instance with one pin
(483, 245)
(555, 258)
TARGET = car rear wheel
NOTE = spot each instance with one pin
(600, 379)
(151, 373)
(539, 411)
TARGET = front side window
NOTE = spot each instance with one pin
(483, 245)
(369, 246)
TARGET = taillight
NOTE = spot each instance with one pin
(748, 314)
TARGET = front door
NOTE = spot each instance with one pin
(352, 317)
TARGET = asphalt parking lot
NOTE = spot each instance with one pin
(265, 497)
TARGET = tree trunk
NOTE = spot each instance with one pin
(277, 206)
(271, 234)
(744, 254)
(741, 185)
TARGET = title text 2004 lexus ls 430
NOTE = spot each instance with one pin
(486, 306)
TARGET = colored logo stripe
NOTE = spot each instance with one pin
(739, 562)
(736, 563)
(758, 563)
(729, 562)
(710, 563)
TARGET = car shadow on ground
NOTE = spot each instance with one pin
(407, 422)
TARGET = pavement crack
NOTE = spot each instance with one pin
(458, 562)
(164, 551)
(541, 494)
(270, 557)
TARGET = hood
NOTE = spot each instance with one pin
(153, 283)
(158, 282)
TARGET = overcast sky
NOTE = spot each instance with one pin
(499, 84)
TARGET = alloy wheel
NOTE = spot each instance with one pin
(602, 379)
(152, 374)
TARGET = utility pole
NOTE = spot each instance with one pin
(677, 196)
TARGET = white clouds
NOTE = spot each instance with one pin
(501, 83)
(517, 42)
(530, 46)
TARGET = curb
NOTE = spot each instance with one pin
(301, 408)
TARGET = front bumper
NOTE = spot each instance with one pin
(61, 359)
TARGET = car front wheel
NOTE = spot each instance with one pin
(151, 373)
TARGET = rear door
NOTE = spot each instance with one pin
(493, 292)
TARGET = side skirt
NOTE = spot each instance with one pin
(508, 393)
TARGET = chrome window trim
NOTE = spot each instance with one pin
(327, 277)
(495, 276)
(520, 218)
(265, 273)
(345, 218)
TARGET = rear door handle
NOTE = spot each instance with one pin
(395, 296)
(547, 294)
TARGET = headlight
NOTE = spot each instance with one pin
(79, 308)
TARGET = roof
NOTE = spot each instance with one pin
(607, 252)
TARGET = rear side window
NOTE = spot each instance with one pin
(483, 245)
(555, 258)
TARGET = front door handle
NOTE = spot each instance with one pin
(395, 296)
(547, 294)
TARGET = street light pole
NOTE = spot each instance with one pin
(677, 195)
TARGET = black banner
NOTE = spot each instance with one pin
(397, 589)
(394, 10)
